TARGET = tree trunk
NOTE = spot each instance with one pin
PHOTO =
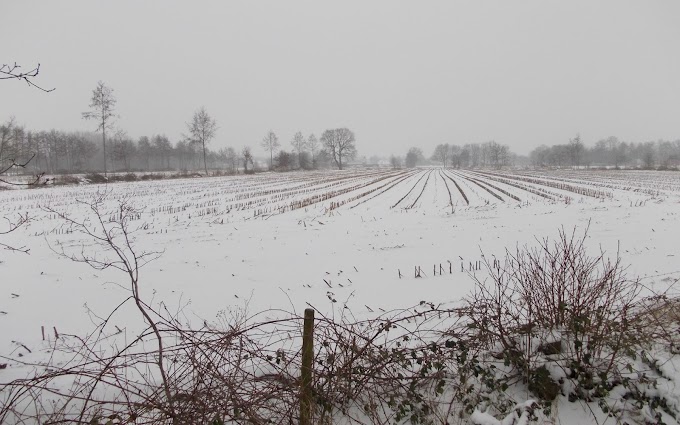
(104, 140)
(205, 166)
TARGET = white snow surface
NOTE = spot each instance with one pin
(290, 240)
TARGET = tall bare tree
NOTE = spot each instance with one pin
(339, 143)
(270, 143)
(312, 146)
(102, 111)
(576, 150)
(202, 129)
(298, 143)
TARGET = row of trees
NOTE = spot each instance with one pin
(57, 151)
(336, 146)
(611, 151)
(660, 154)
(72, 152)
(489, 154)
(471, 155)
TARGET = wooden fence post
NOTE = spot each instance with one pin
(306, 372)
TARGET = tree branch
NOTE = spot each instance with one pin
(11, 72)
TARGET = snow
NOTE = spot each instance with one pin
(245, 243)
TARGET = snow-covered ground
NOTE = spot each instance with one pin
(288, 240)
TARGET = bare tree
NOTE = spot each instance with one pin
(247, 158)
(12, 72)
(123, 149)
(475, 153)
(202, 129)
(340, 144)
(84, 149)
(454, 155)
(495, 154)
(10, 133)
(312, 146)
(231, 159)
(7, 133)
(648, 156)
(163, 149)
(442, 153)
(413, 156)
(270, 143)
(298, 143)
(284, 160)
(182, 153)
(576, 150)
(103, 110)
(144, 150)
(395, 161)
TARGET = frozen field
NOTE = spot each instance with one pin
(284, 240)
(338, 241)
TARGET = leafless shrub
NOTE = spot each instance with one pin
(564, 320)
(660, 314)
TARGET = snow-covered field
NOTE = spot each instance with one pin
(324, 239)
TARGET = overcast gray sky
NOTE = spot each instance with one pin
(397, 73)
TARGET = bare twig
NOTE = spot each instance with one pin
(12, 72)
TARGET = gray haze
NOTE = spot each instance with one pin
(396, 73)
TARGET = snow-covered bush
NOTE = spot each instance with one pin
(560, 320)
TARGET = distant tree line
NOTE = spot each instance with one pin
(472, 155)
(609, 152)
(74, 152)
(57, 152)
